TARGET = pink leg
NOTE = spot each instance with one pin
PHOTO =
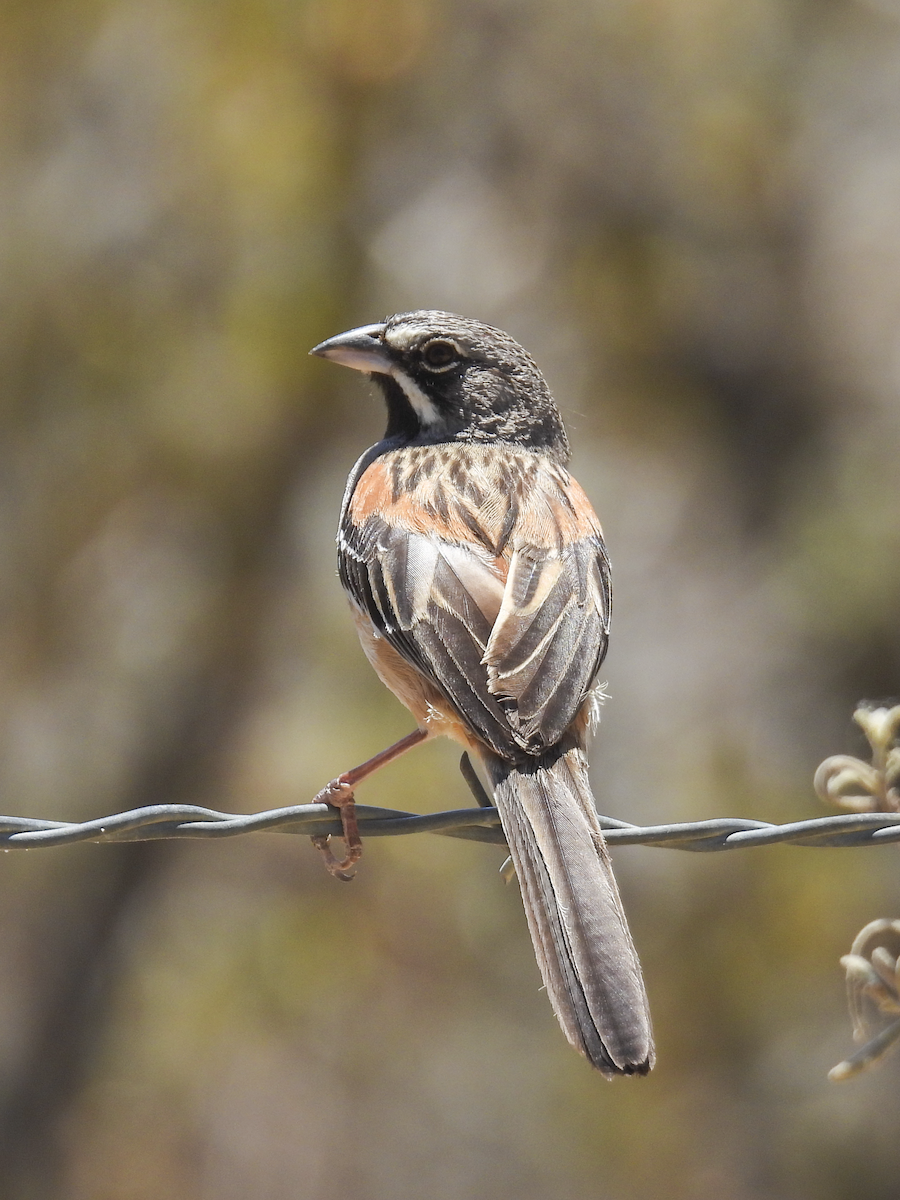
(339, 794)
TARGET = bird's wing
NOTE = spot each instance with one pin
(513, 639)
(550, 636)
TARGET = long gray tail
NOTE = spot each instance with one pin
(581, 938)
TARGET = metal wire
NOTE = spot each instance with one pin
(839, 779)
(477, 824)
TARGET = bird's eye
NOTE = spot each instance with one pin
(439, 354)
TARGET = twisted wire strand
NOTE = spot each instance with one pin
(476, 824)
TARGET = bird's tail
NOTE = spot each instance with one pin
(581, 938)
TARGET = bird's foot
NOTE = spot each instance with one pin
(339, 794)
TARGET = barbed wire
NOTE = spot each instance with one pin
(840, 779)
(477, 824)
(873, 968)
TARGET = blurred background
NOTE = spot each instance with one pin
(689, 212)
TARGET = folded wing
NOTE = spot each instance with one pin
(549, 638)
(514, 640)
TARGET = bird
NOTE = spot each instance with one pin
(479, 584)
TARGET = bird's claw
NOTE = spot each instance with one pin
(339, 794)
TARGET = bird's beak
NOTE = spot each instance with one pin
(362, 349)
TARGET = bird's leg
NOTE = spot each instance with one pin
(339, 794)
(476, 787)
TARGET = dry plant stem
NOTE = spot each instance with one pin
(339, 794)
(867, 1056)
(866, 787)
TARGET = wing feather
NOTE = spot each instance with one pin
(513, 636)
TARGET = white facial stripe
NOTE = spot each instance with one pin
(424, 408)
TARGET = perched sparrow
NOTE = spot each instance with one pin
(479, 583)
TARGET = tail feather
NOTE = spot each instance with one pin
(581, 938)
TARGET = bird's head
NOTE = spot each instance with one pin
(451, 379)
